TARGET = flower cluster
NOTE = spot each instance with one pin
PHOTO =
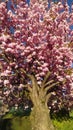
(38, 43)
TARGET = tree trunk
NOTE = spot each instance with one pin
(40, 119)
(40, 115)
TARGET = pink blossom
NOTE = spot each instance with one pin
(39, 82)
(8, 50)
(40, 43)
(46, 69)
(17, 33)
(1, 81)
(6, 82)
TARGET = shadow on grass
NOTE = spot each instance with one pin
(16, 120)
(16, 123)
(61, 115)
(5, 124)
(20, 120)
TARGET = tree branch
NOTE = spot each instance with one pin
(45, 79)
(50, 86)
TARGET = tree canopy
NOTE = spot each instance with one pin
(36, 40)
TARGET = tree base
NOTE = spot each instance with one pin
(40, 119)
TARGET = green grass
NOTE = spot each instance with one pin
(65, 124)
(23, 123)
(71, 114)
(16, 123)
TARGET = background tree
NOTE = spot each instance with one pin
(36, 56)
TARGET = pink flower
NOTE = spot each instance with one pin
(46, 69)
(39, 43)
(1, 81)
(8, 50)
(6, 82)
(17, 33)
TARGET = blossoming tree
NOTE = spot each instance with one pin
(36, 56)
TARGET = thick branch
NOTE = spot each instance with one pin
(46, 84)
(50, 86)
(47, 98)
(45, 79)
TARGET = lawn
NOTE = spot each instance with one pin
(23, 123)
(65, 124)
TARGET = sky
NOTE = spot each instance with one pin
(69, 2)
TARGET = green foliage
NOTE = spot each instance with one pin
(7, 116)
(20, 112)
